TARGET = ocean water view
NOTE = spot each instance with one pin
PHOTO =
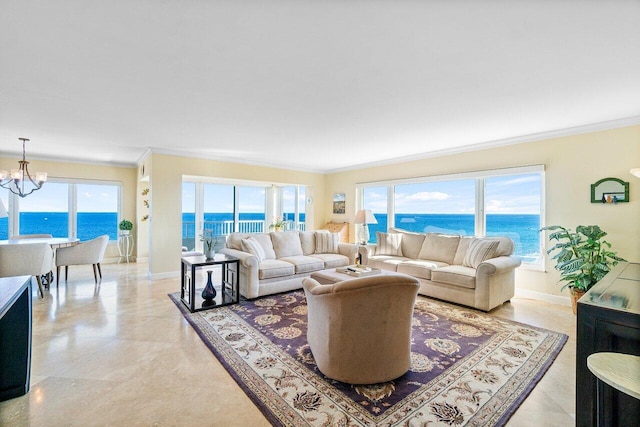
(522, 229)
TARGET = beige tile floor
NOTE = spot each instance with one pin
(120, 353)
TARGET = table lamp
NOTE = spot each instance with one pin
(364, 217)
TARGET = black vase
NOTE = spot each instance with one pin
(209, 292)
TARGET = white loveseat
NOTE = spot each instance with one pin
(477, 272)
(278, 261)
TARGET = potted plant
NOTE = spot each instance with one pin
(278, 224)
(582, 257)
(211, 243)
(125, 227)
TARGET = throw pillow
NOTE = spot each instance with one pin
(389, 244)
(327, 243)
(252, 246)
(479, 250)
(286, 243)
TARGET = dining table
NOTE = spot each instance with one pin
(55, 242)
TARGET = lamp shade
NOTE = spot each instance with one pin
(365, 216)
(3, 210)
(635, 171)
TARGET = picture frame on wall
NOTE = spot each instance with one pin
(339, 203)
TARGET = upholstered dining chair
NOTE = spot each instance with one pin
(34, 259)
(359, 330)
(88, 252)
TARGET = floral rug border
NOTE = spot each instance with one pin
(278, 409)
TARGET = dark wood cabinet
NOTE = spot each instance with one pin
(15, 336)
(608, 320)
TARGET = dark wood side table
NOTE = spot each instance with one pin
(227, 291)
(15, 336)
(608, 321)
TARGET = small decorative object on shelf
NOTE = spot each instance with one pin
(209, 292)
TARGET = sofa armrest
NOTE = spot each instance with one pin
(498, 265)
(349, 250)
(365, 251)
(249, 266)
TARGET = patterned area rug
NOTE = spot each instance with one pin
(468, 368)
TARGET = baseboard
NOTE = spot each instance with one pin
(539, 296)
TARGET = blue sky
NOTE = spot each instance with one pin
(54, 197)
(518, 194)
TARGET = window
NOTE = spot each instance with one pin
(512, 207)
(4, 222)
(46, 211)
(375, 199)
(82, 209)
(222, 208)
(506, 202)
(436, 207)
(97, 211)
(293, 206)
(189, 215)
(251, 209)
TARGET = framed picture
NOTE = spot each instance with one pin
(338, 203)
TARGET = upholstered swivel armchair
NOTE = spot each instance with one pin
(89, 252)
(359, 330)
(34, 259)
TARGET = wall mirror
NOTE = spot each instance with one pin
(610, 190)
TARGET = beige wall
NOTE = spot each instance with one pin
(125, 175)
(572, 164)
(166, 200)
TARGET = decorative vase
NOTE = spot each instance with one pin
(576, 294)
(210, 253)
(209, 292)
(125, 232)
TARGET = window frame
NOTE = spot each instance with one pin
(72, 205)
(480, 178)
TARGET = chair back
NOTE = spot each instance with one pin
(88, 252)
(359, 330)
(33, 259)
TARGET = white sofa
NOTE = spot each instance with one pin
(478, 272)
(278, 261)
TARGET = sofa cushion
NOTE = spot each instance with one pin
(386, 262)
(439, 247)
(234, 241)
(463, 246)
(308, 242)
(267, 246)
(304, 264)
(326, 243)
(389, 244)
(419, 268)
(479, 250)
(252, 246)
(286, 244)
(275, 268)
(411, 242)
(332, 260)
(456, 275)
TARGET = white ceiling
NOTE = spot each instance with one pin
(312, 85)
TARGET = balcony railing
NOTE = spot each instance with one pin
(224, 228)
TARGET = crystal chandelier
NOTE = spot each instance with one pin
(15, 181)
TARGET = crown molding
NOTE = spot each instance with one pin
(59, 159)
(558, 133)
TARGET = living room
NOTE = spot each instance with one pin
(573, 154)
